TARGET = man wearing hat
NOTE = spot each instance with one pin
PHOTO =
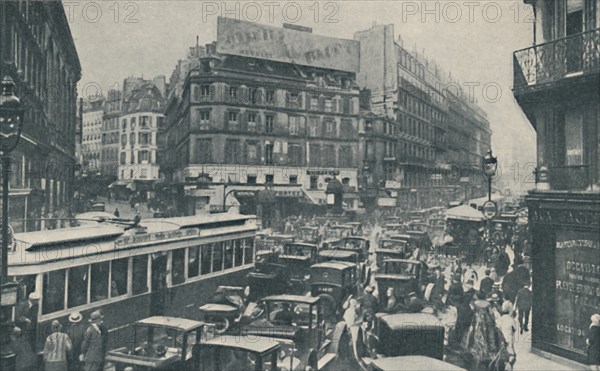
(93, 347)
(75, 329)
(369, 303)
(57, 348)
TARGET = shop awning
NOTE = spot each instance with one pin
(121, 183)
(464, 212)
(317, 197)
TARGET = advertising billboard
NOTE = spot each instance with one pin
(236, 37)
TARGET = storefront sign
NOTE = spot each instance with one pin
(577, 287)
(332, 172)
(200, 192)
(288, 46)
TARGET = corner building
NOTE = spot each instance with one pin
(249, 111)
(556, 83)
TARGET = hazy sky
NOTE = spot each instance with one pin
(473, 40)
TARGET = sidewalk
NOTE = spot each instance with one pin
(533, 360)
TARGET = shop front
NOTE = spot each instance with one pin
(565, 270)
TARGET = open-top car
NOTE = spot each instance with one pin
(302, 320)
(401, 334)
(298, 257)
(226, 307)
(229, 352)
(334, 282)
(159, 343)
(400, 277)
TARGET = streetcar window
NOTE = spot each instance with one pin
(228, 254)
(118, 273)
(193, 261)
(178, 266)
(99, 283)
(249, 254)
(217, 256)
(53, 298)
(205, 262)
(140, 274)
(78, 286)
(239, 252)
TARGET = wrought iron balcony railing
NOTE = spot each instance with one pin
(550, 62)
(570, 178)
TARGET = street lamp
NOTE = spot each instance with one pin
(11, 124)
(490, 166)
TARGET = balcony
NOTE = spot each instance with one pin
(551, 62)
(570, 178)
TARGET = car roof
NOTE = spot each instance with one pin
(407, 363)
(294, 298)
(258, 344)
(401, 321)
(182, 324)
(337, 253)
(354, 238)
(333, 265)
(403, 261)
(302, 244)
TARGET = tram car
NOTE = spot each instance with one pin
(165, 267)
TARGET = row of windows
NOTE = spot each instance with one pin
(142, 121)
(143, 157)
(77, 286)
(267, 96)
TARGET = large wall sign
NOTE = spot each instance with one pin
(284, 45)
(577, 287)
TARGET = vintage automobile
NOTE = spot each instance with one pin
(338, 255)
(421, 239)
(360, 245)
(419, 226)
(267, 278)
(400, 334)
(226, 307)
(401, 277)
(98, 206)
(334, 281)
(159, 343)
(389, 248)
(230, 352)
(392, 220)
(389, 229)
(309, 234)
(339, 231)
(410, 363)
(437, 226)
(301, 319)
(298, 257)
(357, 229)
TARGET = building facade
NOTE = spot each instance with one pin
(110, 135)
(141, 123)
(91, 135)
(440, 134)
(246, 120)
(556, 84)
(37, 51)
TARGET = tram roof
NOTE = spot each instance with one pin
(182, 324)
(414, 363)
(258, 344)
(65, 235)
(197, 220)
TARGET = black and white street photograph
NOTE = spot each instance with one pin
(308, 185)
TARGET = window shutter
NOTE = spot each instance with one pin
(226, 123)
(321, 103)
(244, 156)
(212, 92)
(351, 106)
(259, 126)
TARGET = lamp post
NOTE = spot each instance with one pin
(11, 124)
(490, 166)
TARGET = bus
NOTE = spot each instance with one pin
(163, 267)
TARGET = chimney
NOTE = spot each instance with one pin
(197, 40)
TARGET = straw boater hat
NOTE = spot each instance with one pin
(34, 296)
(75, 317)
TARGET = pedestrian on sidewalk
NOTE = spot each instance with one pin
(117, 213)
(523, 304)
(593, 342)
(25, 358)
(93, 347)
(57, 348)
(508, 327)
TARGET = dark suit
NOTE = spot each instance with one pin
(93, 349)
(486, 285)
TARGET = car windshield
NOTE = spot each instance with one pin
(286, 313)
(298, 250)
(394, 267)
(160, 342)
